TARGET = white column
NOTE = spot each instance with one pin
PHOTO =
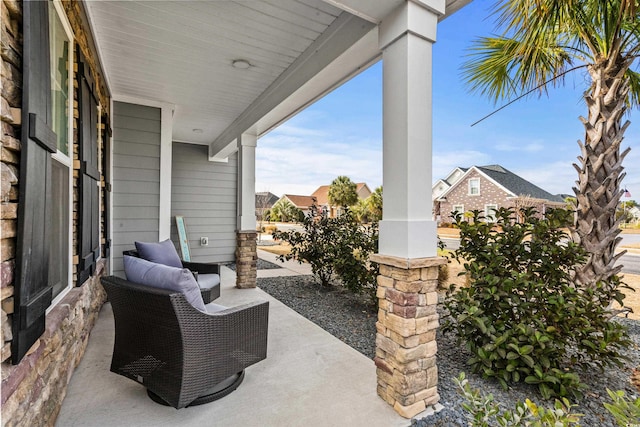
(166, 153)
(247, 182)
(406, 37)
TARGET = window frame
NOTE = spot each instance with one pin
(59, 156)
(486, 212)
(461, 210)
(470, 187)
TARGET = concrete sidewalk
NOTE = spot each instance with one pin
(309, 378)
(289, 268)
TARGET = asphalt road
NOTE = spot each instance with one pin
(631, 262)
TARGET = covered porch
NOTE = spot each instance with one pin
(222, 76)
(309, 378)
(159, 107)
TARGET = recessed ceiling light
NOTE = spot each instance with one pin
(241, 64)
(197, 130)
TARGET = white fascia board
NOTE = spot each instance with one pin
(452, 172)
(222, 156)
(438, 182)
(455, 184)
(285, 96)
(376, 11)
(361, 56)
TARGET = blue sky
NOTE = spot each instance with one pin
(341, 134)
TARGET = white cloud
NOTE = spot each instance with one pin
(443, 163)
(298, 160)
(557, 177)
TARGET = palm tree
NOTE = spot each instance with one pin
(361, 210)
(342, 192)
(283, 210)
(542, 41)
(374, 201)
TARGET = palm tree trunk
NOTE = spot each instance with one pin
(599, 175)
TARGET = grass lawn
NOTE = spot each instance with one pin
(281, 249)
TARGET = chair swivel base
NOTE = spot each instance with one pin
(219, 391)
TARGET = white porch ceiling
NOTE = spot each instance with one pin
(181, 53)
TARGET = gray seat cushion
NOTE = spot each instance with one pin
(162, 253)
(161, 276)
(208, 281)
(214, 308)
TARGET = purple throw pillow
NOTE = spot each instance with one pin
(161, 276)
(161, 253)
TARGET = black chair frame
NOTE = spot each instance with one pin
(184, 357)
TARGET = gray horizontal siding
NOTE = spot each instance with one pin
(136, 177)
(204, 193)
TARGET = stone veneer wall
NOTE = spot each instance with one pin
(10, 116)
(33, 390)
(246, 259)
(406, 333)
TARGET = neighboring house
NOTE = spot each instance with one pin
(118, 116)
(635, 213)
(443, 185)
(301, 202)
(487, 188)
(322, 196)
(264, 201)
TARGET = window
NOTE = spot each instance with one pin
(490, 213)
(458, 209)
(474, 187)
(61, 176)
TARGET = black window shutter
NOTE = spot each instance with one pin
(32, 292)
(89, 215)
(106, 194)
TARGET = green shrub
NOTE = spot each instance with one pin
(624, 409)
(522, 318)
(336, 245)
(353, 246)
(484, 411)
(315, 245)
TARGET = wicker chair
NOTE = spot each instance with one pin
(202, 272)
(184, 357)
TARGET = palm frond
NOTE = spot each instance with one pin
(500, 67)
(634, 88)
(540, 39)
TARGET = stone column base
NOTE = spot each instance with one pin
(406, 333)
(246, 259)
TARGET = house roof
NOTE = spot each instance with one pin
(265, 199)
(516, 184)
(511, 182)
(322, 193)
(448, 179)
(301, 202)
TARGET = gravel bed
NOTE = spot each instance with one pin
(344, 315)
(351, 319)
(261, 265)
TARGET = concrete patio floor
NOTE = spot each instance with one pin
(309, 379)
